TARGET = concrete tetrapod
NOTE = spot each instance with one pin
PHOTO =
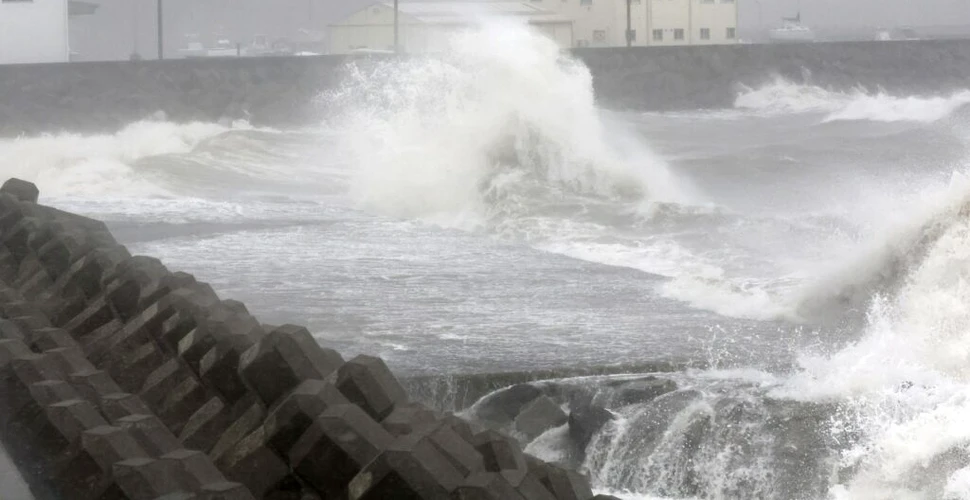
(335, 447)
(122, 379)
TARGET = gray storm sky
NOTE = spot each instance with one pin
(834, 12)
(859, 12)
(820, 12)
(122, 27)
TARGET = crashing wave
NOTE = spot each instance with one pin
(487, 131)
(885, 267)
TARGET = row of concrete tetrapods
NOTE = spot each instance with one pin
(123, 380)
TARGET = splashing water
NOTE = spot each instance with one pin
(501, 134)
(76, 165)
(882, 266)
(471, 136)
(904, 387)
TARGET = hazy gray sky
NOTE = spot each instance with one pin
(122, 26)
(859, 12)
(821, 12)
(826, 12)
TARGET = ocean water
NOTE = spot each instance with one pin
(798, 264)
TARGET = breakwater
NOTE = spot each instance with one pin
(282, 91)
(104, 96)
(122, 379)
(676, 78)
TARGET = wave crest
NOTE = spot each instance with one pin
(80, 166)
(782, 96)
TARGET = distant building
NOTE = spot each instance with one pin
(572, 23)
(426, 26)
(37, 31)
(34, 31)
(603, 23)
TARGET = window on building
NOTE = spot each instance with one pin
(658, 35)
(632, 35)
(679, 34)
(585, 2)
(705, 33)
(707, 1)
(599, 35)
(731, 33)
(727, 1)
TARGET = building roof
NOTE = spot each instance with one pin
(454, 12)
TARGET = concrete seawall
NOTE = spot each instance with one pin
(104, 96)
(280, 91)
(124, 380)
(673, 78)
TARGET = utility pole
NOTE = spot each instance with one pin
(629, 28)
(397, 46)
(134, 28)
(161, 55)
(761, 16)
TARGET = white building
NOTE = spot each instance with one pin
(572, 23)
(425, 26)
(34, 31)
(602, 23)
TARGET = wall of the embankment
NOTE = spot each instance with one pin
(279, 91)
(104, 96)
(671, 78)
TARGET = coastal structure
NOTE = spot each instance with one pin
(34, 31)
(38, 31)
(425, 26)
(603, 23)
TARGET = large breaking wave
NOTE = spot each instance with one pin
(884, 417)
(502, 134)
(473, 136)
(903, 388)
